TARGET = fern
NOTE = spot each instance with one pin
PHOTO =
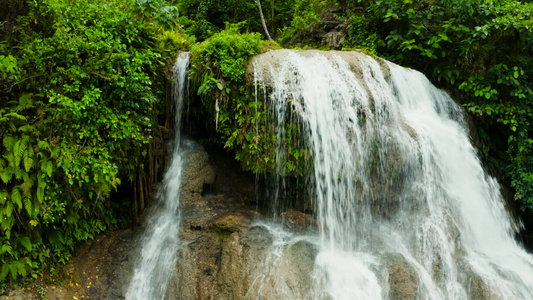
(8, 209)
(16, 197)
(40, 195)
(17, 267)
(24, 241)
(10, 158)
(27, 128)
(19, 173)
(3, 197)
(16, 116)
(9, 143)
(17, 154)
(41, 185)
(25, 187)
(26, 178)
(7, 223)
(47, 166)
(6, 174)
(44, 145)
(25, 102)
(6, 248)
(28, 205)
(5, 270)
(20, 148)
(28, 159)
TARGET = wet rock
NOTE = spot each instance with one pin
(235, 221)
(477, 288)
(401, 276)
(403, 282)
(197, 174)
(242, 262)
(298, 221)
(215, 212)
(300, 263)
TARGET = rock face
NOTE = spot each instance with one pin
(223, 254)
(330, 32)
(403, 282)
(298, 221)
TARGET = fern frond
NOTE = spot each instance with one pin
(9, 141)
(16, 116)
(6, 248)
(18, 154)
(25, 187)
(49, 168)
(28, 159)
(16, 197)
(21, 268)
(24, 241)
(40, 194)
(44, 145)
(19, 173)
(10, 157)
(27, 128)
(25, 102)
(6, 174)
(28, 206)
(17, 268)
(3, 196)
(5, 271)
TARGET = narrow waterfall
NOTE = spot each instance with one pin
(160, 241)
(396, 184)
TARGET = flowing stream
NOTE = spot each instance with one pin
(160, 242)
(404, 208)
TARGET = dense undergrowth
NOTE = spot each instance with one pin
(82, 91)
(234, 118)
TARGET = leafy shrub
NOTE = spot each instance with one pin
(227, 105)
(78, 108)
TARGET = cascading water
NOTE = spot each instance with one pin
(397, 187)
(160, 242)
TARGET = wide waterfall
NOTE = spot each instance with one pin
(160, 242)
(397, 188)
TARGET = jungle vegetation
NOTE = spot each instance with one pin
(84, 103)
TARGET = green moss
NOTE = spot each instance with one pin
(225, 103)
(222, 230)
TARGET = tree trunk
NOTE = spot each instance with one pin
(263, 20)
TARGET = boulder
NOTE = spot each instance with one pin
(298, 221)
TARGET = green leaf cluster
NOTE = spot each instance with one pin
(227, 106)
(82, 86)
(203, 18)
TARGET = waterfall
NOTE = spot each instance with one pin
(160, 241)
(396, 185)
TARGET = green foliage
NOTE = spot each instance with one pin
(203, 18)
(159, 12)
(480, 50)
(304, 15)
(227, 104)
(78, 101)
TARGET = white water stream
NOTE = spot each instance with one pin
(396, 182)
(160, 241)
